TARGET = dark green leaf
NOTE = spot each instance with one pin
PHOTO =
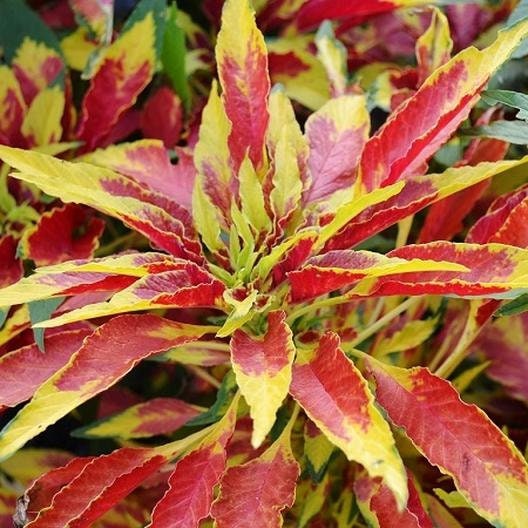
(41, 311)
(219, 407)
(173, 57)
(514, 307)
(18, 21)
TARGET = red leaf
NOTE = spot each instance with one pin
(64, 233)
(162, 117)
(24, 369)
(461, 440)
(11, 270)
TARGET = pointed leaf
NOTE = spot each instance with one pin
(379, 508)
(337, 399)
(243, 70)
(122, 71)
(105, 357)
(255, 493)
(190, 494)
(158, 416)
(336, 134)
(427, 120)
(263, 367)
(485, 465)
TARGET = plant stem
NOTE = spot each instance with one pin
(203, 374)
(324, 303)
(383, 321)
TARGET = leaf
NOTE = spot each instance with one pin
(220, 406)
(213, 189)
(339, 269)
(17, 22)
(104, 358)
(173, 56)
(515, 132)
(378, 507)
(255, 493)
(515, 307)
(440, 515)
(317, 451)
(190, 494)
(336, 134)
(419, 127)
(42, 123)
(243, 71)
(263, 366)
(146, 161)
(313, 12)
(493, 270)
(186, 287)
(502, 342)
(102, 274)
(162, 117)
(40, 311)
(56, 237)
(293, 65)
(97, 16)
(337, 399)
(485, 465)
(122, 71)
(413, 196)
(157, 416)
(164, 222)
(12, 269)
(12, 108)
(28, 464)
(509, 98)
(333, 54)
(433, 48)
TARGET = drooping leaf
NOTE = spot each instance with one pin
(157, 416)
(262, 366)
(378, 507)
(56, 237)
(485, 465)
(146, 161)
(104, 358)
(190, 494)
(163, 221)
(337, 399)
(255, 493)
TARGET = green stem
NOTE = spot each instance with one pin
(385, 320)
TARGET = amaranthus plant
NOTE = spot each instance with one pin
(332, 362)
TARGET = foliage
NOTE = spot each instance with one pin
(295, 295)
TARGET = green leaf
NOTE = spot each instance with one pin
(18, 21)
(514, 307)
(41, 311)
(515, 132)
(3, 316)
(173, 57)
(140, 12)
(508, 98)
(220, 406)
(520, 12)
